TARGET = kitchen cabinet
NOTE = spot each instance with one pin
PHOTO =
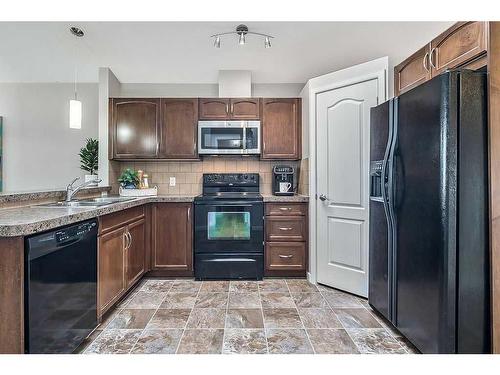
(179, 128)
(286, 236)
(230, 109)
(172, 248)
(111, 277)
(462, 42)
(122, 245)
(413, 71)
(464, 45)
(135, 128)
(245, 109)
(135, 253)
(281, 129)
(214, 109)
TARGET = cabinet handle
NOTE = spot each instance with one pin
(227, 108)
(426, 59)
(285, 228)
(189, 213)
(126, 239)
(285, 256)
(285, 208)
(130, 240)
(232, 108)
(431, 58)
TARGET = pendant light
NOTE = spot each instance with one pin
(75, 105)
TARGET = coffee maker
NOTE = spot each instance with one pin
(283, 180)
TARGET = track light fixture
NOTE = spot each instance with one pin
(242, 32)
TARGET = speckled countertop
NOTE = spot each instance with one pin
(22, 221)
(298, 198)
(23, 196)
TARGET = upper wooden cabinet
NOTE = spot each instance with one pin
(230, 109)
(459, 44)
(245, 109)
(463, 45)
(135, 128)
(413, 71)
(281, 129)
(172, 249)
(214, 109)
(179, 124)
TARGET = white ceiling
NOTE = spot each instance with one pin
(183, 52)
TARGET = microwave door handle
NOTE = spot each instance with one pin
(245, 135)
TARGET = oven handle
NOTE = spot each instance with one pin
(231, 260)
(230, 205)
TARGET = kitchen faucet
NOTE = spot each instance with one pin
(71, 191)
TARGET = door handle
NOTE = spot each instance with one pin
(126, 239)
(431, 58)
(285, 256)
(129, 240)
(426, 59)
(323, 197)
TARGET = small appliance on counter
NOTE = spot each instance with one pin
(283, 180)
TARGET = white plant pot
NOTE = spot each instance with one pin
(90, 177)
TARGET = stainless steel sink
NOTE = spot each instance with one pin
(87, 203)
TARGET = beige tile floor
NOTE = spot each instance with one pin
(221, 317)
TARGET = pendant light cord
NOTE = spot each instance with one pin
(76, 59)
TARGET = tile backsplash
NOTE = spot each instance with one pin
(188, 175)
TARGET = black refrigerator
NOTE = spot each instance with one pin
(429, 253)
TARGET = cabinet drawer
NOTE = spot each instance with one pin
(286, 209)
(285, 256)
(117, 219)
(281, 228)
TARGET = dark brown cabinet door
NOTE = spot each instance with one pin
(281, 129)
(135, 251)
(462, 42)
(245, 109)
(172, 238)
(413, 71)
(214, 109)
(285, 256)
(135, 128)
(111, 277)
(179, 128)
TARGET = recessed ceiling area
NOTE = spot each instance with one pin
(183, 52)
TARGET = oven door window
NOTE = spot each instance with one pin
(228, 225)
(222, 138)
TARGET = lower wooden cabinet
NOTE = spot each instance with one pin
(286, 228)
(122, 249)
(111, 274)
(172, 248)
(136, 264)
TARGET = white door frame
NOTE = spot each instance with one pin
(375, 69)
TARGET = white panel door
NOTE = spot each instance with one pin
(343, 136)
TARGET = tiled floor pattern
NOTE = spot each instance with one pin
(269, 316)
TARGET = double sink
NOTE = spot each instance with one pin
(87, 203)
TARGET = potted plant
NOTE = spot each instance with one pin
(129, 179)
(89, 159)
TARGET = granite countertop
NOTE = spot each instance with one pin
(23, 196)
(298, 198)
(22, 221)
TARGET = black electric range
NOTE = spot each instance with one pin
(229, 228)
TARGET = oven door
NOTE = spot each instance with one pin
(229, 227)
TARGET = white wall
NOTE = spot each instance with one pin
(194, 90)
(40, 151)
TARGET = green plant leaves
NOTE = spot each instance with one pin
(89, 156)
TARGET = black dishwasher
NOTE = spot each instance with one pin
(60, 288)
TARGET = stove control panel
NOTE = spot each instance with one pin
(231, 179)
